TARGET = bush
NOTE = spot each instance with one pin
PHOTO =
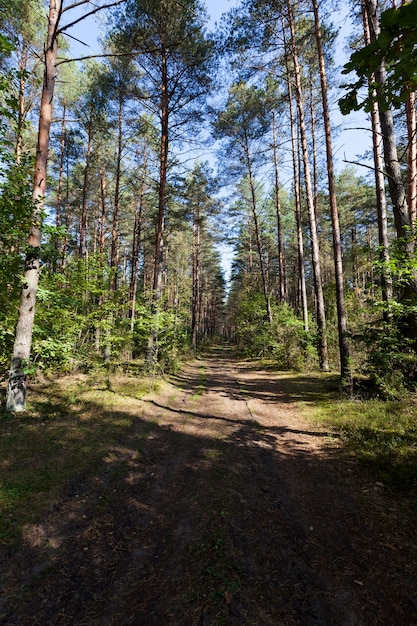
(284, 341)
(391, 359)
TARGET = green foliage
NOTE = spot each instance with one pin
(15, 210)
(395, 47)
(391, 360)
(382, 434)
(284, 341)
(170, 332)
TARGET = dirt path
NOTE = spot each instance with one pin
(219, 506)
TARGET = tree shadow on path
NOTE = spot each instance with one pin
(182, 523)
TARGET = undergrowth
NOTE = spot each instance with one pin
(382, 434)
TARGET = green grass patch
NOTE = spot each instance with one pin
(382, 434)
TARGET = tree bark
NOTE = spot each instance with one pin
(16, 389)
(412, 158)
(381, 200)
(102, 235)
(281, 258)
(21, 100)
(137, 232)
(196, 300)
(300, 239)
(345, 369)
(159, 241)
(82, 246)
(265, 286)
(114, 252)
(321, 315)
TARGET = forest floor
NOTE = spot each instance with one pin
(215, 503)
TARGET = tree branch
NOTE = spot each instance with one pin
(105, 6)
(75, 39)
(369, 167)
(75, 5)
(96, 56)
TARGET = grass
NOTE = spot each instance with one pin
(382, 434)
(69, 427)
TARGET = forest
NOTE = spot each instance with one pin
(208, 314)
(119, 234)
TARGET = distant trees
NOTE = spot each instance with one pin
(107, 198)
(126, 222)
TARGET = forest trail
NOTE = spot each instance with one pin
(219, 505)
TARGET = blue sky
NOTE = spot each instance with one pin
(350, 141)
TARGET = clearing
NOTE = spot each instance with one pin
(216, 503)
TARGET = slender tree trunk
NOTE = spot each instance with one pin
(196, 300)
(67, 218)
(137, 232)
(381, 201)
(345, 369)
(300, 239)
(61, 170)
(265, 286)
(321, 315)
(114, 252)
(58, 217)
(314, 146)
(102, 236)
(163, 169)
(250, 251)
(281, 259)
(159, 242)
(82, 246)
(16, 390)
(21, 101)
(412, 158)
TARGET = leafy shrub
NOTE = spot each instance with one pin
(285, 340)
(391, 359)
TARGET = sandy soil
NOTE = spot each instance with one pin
(219, 506)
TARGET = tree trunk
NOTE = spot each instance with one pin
(137, 232)
(82, 246)
(345, 369)
(281, 259)
(58, 217)
(412, 158)
(21, 100)
(159, 241)
(381, 201)
(102, 236)
(114, 253)
(16, 390)
(67, 218)
(265, 286)
(163, 169)
(314, 146)
(61, 170)
(196, 300)
(321, 315)
(300, 241)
